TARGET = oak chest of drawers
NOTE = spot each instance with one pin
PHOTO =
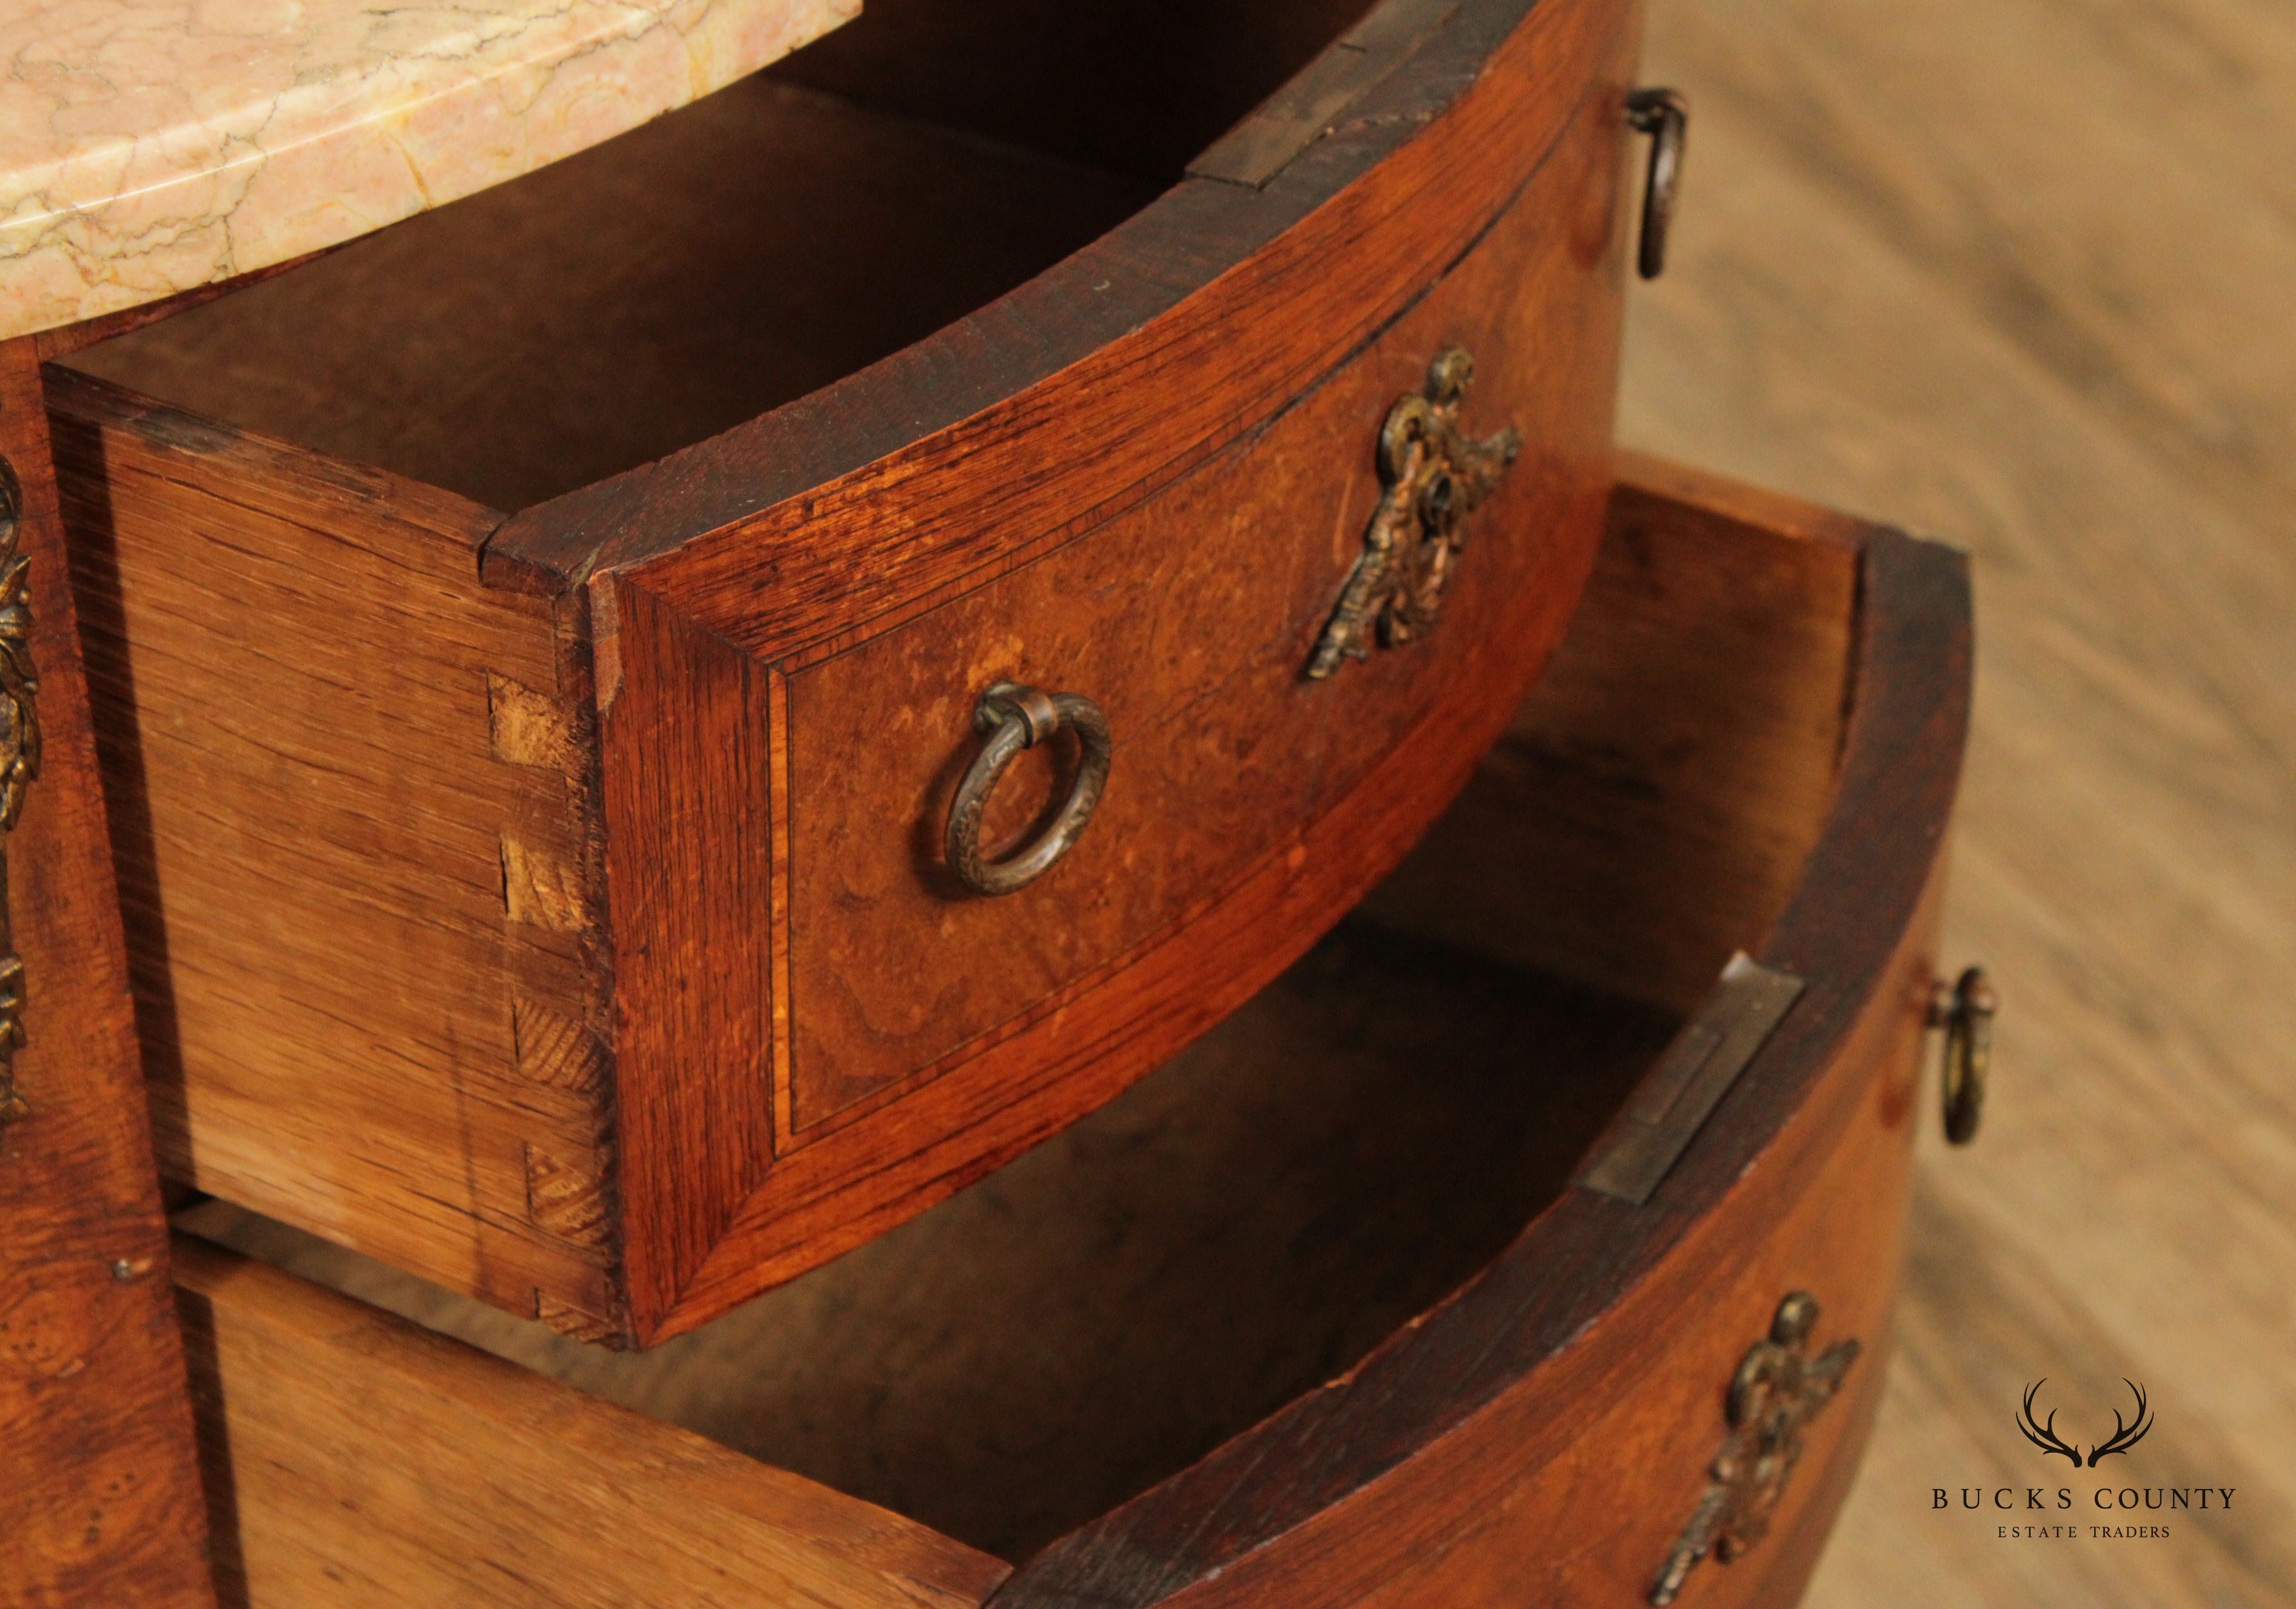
(650, 726)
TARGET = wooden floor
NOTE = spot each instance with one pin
(2022, 274)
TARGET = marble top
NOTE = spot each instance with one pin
(149, 147)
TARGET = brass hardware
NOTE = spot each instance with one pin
(20, 762)
(1964, 1009)
(1778, 1390)
(1704, 1059)
(1434, 476)
(1664, 115)
(1014, 718)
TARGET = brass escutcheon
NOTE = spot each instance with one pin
(1015, 717)
(1434, 474)
(1778, 1389)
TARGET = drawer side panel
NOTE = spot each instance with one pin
(350, 817)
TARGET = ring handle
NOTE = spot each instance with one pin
(1964, 1009)
(1015, 717)
(1664, 115)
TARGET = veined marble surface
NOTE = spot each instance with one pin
(149, 147)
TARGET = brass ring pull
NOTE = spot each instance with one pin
(1014, 718)
(1964, 1009)
(1664, 115)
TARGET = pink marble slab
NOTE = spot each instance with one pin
(149, 147)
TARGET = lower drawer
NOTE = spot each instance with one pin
(1424, 1279)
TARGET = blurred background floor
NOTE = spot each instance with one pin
(2021, 274)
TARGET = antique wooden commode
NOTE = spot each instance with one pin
(577, 757)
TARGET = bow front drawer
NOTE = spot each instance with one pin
(983, 589)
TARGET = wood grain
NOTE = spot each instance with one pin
(1188, 620)
(1111, 1307)
(104, 1504)
(351, 859)
(1659, 797)
(957, 454)
(1570, 1485)
(2022, 272)
(690, 873)
(369, 1463)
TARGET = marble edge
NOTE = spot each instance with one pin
(249, 186)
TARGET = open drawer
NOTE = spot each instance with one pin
(1375, 1295)
(544, 652)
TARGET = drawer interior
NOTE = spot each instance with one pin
(1252, 1220)
(1243, 1224)
(733, 256)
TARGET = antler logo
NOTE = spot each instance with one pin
(2044, 1434)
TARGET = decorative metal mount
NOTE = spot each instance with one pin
(1434, 474)
(1778, 1390)
(20, 762)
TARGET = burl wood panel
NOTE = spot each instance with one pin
(1209, 429)
(349, 809)
(362, 1463)
(1189, 620)
(104, 1502)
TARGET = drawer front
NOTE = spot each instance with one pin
(819, 1031)
(1190, 621)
